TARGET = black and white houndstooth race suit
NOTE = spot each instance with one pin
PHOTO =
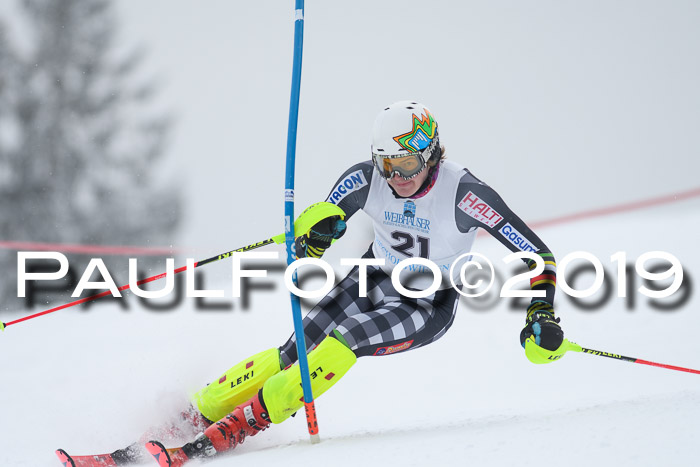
(440, 226)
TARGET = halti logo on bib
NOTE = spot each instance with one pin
(474, 207)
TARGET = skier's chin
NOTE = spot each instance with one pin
(405, 193)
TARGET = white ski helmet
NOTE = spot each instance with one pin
(402, 129)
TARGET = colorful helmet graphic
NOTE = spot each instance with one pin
(404, 129)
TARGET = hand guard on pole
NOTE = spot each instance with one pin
(541, 330)
(315, 243)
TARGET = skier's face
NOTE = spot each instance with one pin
(405, 188)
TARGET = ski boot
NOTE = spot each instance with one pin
(247, 419)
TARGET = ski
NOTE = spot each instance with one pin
(129, 455)
(99, 460)
(174, 457)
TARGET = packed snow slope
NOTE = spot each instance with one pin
(92, 381)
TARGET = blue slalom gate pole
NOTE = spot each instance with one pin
(309, 406)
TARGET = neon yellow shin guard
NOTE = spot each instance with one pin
(237, 385)
(328, 363)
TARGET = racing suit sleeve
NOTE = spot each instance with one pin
(479, 205)
(351, 190)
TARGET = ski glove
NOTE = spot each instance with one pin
(319, 238)
(542, 324)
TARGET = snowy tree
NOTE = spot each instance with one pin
(83, 143)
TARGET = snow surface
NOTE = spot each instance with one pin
(93, 381)
(564, 92)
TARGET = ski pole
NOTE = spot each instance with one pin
(634, 360)
(310, 216)
(537, 354)
(309, 406)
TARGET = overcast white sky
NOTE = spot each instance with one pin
(559, 105)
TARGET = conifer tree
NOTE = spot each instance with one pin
(81, 143)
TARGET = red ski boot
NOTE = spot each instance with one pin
(246, 420)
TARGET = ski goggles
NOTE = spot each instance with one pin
(406, 165)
